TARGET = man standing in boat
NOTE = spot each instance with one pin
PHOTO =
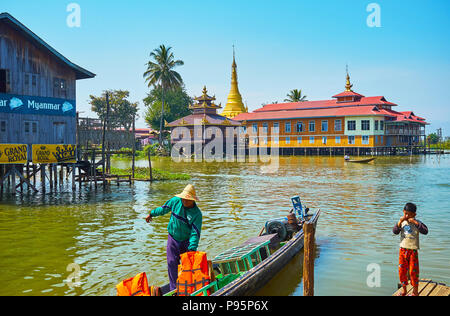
(184, 228)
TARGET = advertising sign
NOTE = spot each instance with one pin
(54, 153)
(13, 153)
(22, 104)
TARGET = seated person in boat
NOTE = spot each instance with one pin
(409, 228)
(347, 157)
(184, 228)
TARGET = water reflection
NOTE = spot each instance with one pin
(104, 232)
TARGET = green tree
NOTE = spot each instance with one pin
(295, 96)
(177, 105)
(432, 139)
(121, 110)
(160, 73)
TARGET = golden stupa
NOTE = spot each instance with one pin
(234, 104)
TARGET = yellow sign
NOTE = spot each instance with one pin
(54, 153)
(13, 154)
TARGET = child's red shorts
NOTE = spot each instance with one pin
(408, 262)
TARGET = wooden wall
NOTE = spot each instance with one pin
(32, 72)
(22, 58)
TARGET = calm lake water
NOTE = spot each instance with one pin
(104, 232)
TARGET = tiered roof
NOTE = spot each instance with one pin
(204, 112)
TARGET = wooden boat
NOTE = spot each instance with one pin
(360, 160)
(248, 281)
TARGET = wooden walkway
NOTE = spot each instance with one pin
(428, 288)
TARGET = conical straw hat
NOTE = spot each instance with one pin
(188, 193)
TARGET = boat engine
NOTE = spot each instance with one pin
(277, 227)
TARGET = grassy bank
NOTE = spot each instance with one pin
(143, 173)
(443, 145)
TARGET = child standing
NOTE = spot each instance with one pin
(409, 228)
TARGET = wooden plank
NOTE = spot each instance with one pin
(426, 287)
(443, 291)
(437, 289)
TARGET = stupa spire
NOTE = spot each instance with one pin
(348, 85)
(234, 104)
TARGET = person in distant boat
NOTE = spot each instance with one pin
(347, 157)
(409, 227)
(184, 228)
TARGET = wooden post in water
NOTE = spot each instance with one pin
(150, 165)
(94, 168)
(50, 169)
(134, 145)
(308, 259)
(13, 179)
(43, 177)
(73, 178)
(2, 173)
(55, 171)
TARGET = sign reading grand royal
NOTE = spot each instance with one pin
(23, 104)
(13, 153)
(54, 153)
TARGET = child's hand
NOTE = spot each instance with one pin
(412, 220)
(401, 220)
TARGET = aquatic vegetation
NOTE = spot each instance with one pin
(143, 173)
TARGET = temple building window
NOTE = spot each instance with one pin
(365, 125)
(337, 125)
(276, 128)
(351, 125)
(287, 127)
(312, 126)
(351, 140)
(324, 126)
(365, 140)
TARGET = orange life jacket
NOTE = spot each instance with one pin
(193, 273)
(136, 286)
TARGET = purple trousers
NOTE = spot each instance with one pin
(174, 250)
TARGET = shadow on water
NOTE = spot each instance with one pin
(289, 281)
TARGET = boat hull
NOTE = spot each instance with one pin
(362, 160)
(261, 274)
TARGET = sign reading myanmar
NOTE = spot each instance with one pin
(24, 104)
(13, 154)
(54, 154)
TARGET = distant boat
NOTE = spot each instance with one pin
(360, 160)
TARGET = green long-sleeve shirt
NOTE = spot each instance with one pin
(185, 223)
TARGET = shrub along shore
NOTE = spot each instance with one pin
(143, 173)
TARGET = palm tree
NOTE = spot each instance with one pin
(295, 96)
(160, 73)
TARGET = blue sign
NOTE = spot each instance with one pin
(297, 205)
(24, 104)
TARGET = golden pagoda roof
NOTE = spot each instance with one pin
(205, 101)
(234, 104)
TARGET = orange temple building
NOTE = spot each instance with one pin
(350, 123)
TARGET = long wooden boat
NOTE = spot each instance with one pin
(261, 274)
(361, 160)
(247, 282)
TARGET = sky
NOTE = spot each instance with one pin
(280, 46)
